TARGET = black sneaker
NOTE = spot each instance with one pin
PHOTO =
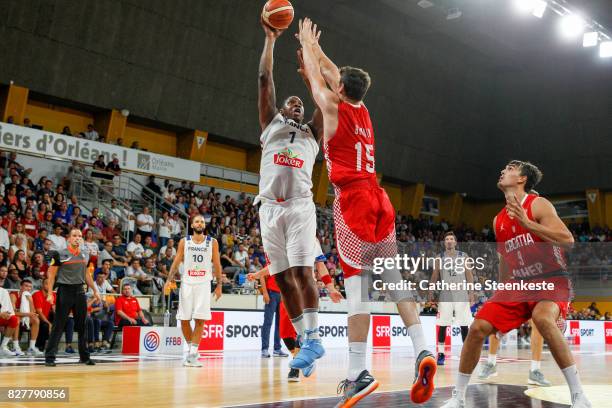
(294, 375)
(354, 391)
(87, 362)
(69, 350)
(424, 371)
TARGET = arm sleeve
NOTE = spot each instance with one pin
(55, 258)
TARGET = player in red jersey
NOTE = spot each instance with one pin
(363, 215)
(529, 234)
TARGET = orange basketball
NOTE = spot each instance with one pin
(278, 14)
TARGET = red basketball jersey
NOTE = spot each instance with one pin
(526, 255)
(350, 152)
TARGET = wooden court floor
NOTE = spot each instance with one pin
(243, 378)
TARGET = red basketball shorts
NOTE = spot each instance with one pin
(506, 315)
(364, 221)
(286, 329)
(11, 322)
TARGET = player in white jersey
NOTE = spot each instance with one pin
(199, 254)
(287, 213)
(453, 306)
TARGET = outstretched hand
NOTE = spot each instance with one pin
(271, 33)
(308, 33)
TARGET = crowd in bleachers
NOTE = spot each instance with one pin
(35, 218)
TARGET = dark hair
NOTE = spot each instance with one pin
(450, 234)
(529, 170)
(26, 280)
(356, 82)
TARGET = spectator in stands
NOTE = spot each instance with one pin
(165, 261)
(230, 267)
(36, 278)
(135, 145)
(114, 167)
(110, 230)
(145, 223)
(20, 263)
(135, 248)
(163, 233)
(101, 279)
(115, 214)
(3, 275)
(127, 309)
(30, 224)
(119, 254)
(150, 250)
(99, 168)
(23, 305)
(91, 133)
(106, 255)
(151, 185)
(38, 261)
(241, 257)
(61, 215)
(4, 237)
(8, 321)
(66, 131)
(90, 247)
(43, 309)
(57, 239)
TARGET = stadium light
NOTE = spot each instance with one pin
(425, 4)
(453, 13)
(590, 39)
(524, 6)
(539, 8)
(572, 26)
(605, 49)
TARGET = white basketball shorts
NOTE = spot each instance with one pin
(194, 301)
(288, 232)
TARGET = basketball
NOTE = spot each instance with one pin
(278, 14)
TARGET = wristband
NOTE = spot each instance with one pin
(326, 279)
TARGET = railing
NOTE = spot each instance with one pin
(224, 173)
(131, 195)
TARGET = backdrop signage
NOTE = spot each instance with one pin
(49, 144)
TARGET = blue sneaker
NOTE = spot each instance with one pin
(280, 353)
(309, 370)
(265, 354)
(441, 359)
(311, 350)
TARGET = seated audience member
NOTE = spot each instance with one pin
(23, 305)
(45, 311)
(127, 309)
(135, 248)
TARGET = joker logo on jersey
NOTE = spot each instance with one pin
(288, 158)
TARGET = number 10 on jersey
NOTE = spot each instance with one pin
(368, 155)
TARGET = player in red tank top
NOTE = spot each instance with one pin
(526, 220)
(364, 218)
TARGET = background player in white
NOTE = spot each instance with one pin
(453, 306)
(199, 254)
(287, 213)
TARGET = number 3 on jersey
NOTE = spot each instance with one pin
(368, 155)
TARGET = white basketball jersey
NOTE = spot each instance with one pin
(449, 273)
(289, 150)
(197, 261)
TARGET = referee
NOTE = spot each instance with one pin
(69, 268)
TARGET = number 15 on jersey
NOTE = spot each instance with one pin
(369, 156)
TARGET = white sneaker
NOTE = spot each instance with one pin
(454, 402)
(6, 352)
(580, 401)
(192, 361)
(33, 351)
(18, 351)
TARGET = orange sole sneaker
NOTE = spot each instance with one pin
(423, 387)
(364, 393)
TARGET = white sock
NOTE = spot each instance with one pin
(571, 376)
(418, 338)
(462, 382)
(32, 344)
(311, 323)
(440, 347)
(300, 325)
(188, 348)
(5, 341)
(16, 345)
(535, 365)
(193, 349)
(492, 359)
(357, 360)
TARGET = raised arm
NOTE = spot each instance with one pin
(267, 93)
(326, 100)
(329, 70)
(316, 123)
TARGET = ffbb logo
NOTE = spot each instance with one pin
(144, 161)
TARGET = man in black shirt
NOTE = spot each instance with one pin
(68, 268)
